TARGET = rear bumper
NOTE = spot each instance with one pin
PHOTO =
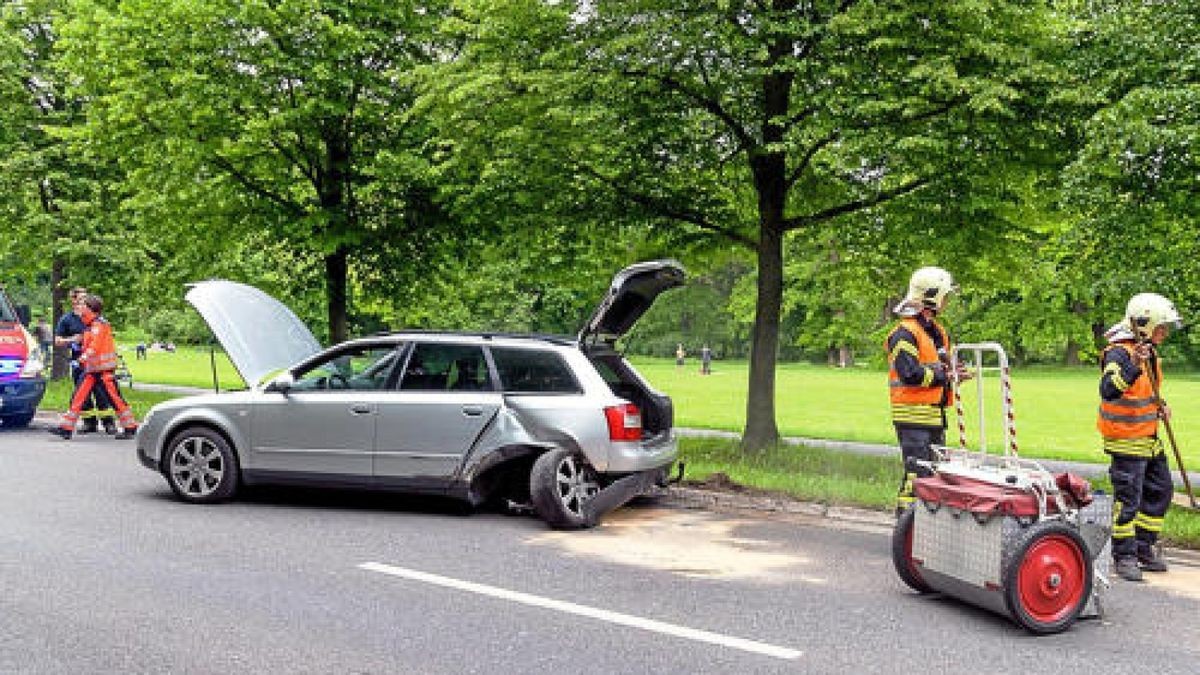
(21, 396)
(654, 453)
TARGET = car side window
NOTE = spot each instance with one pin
(446, 367)
(359, 369)
(534, 371)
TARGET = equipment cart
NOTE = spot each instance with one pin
(1001, 532)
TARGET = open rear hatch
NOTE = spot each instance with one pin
(632, 291)
(631, 294)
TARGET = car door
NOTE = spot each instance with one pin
(323, 426)
(444, 400)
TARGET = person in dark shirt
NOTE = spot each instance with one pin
(69, 333)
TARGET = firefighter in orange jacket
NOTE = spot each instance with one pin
(1128, 423)
(98, 360)
(919, 374)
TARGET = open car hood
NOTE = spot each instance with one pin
(259, 333)
(632, 292)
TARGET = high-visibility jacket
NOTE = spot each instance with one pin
(919, 404)
(99, 348)
(1129, 424)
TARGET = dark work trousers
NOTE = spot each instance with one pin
(97, 404)
(915, 443)
(1142, 490)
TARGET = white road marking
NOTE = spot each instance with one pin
(590, 612)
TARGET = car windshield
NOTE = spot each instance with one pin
(7, 314)
(368, 367)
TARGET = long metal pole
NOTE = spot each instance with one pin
(1167, 423)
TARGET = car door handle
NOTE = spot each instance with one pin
(472, 410)
(360, 409)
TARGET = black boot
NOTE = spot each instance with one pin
(90, 426)
(1127, 568)
(1150, 560)
(110, 426)
(60, 432)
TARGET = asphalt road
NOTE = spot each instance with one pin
(102, 571)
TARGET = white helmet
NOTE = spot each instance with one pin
(1147, 311)
(929, 287)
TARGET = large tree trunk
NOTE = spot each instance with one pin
(59, 367)
(333, 190)
(335, 287)
(761, 431)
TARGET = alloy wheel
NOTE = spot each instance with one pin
(197, 466)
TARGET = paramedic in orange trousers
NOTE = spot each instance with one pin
(98, 359)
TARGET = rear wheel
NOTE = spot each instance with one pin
(200, 466)
(1048, 580)
(561, 485)
(902, 560)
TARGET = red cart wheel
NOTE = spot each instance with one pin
(902, 560)
(1048, 580)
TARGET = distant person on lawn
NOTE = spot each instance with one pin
(919, 375)
(98, 360)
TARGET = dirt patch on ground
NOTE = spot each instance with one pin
(690, 543)
(1181, 580)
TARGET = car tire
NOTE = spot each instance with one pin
(902, 560)
(200, 466)
(561, 484)
(16, 421)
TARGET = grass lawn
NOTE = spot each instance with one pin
(186, 366)
(1055, 408)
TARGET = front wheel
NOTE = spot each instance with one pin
(200, 466)
(561, 485)
(1048, 580)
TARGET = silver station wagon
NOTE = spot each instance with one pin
(565, 425)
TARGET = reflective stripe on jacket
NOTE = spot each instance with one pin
(99, 348)
(920, 404)
(1129, 424)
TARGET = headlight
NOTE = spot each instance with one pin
(33, 366)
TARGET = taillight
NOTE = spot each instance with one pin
(624, 422)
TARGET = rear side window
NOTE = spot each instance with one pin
(534, 371)
(446, 367)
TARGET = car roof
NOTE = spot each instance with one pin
(526, 339)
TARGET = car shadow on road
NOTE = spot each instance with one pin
(330, 499)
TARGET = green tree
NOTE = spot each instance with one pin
(261, 122)
(755, 121)
(1133, 184)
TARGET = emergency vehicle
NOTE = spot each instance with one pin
(21, 381)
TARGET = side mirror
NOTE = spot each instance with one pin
(282, 383)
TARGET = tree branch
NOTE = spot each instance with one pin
(856, 205)
(253, 186)
(712, 105)
(660, 208)
(808, 156)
